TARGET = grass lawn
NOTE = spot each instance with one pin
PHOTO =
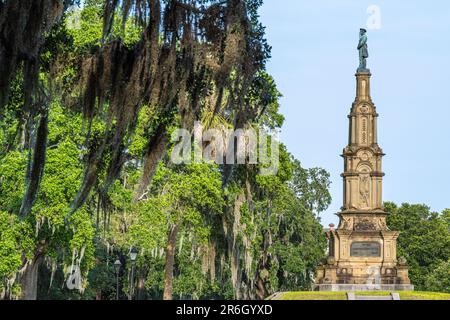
(404, 295)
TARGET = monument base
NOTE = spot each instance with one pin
(362, 287)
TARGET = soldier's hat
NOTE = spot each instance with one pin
(362, 29)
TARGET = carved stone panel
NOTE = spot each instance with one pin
(364, 130)
(365, 224)
(364, 189)
(346, 223)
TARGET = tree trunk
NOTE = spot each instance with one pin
(261, 290)
(29, 279)
(141, 293)
(170, 261)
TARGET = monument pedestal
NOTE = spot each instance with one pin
(363, 287)
(362, 260)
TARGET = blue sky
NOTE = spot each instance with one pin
(314, 60)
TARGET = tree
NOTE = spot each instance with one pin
(438, 280)
(424, 239)
(86, 113)
(298, 239)
(185, 197)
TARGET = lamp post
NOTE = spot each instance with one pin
(133, 256)
(117, 266)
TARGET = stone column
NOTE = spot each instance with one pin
(363, 86)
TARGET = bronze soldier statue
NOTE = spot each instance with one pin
(363, 52)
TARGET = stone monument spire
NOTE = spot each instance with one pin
(362, 251)
(362, 156)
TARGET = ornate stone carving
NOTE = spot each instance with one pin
(346, 223)
(364, 133)
(365, 224)
(331, 261)
(382, 224)
(364, 109)
(402, 261)
(364, 191)
(365, 156)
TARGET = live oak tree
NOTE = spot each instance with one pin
(86, 111)
(48, 240)
(188, 197)
(157, 68)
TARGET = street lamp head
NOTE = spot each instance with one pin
(133, 253)
(117, 265)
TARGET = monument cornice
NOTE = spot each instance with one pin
(377, 174)
(363, 73)
(363, 213)
(353, 149)
(349, 174)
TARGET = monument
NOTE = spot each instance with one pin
(362, 250)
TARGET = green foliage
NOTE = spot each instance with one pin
(102, 277)
(299, 242)
(312, 186)
(439, 279)
(187, 192)
(86, 27)
(272, 219)
(10, 122)
(264, 93)
(424, 240)
(58, 186)
(150, 228)
(12, 183)
(270, 183)
(190, 281)
(16, 240)
(280, 228)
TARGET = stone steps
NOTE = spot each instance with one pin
(353, 296)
